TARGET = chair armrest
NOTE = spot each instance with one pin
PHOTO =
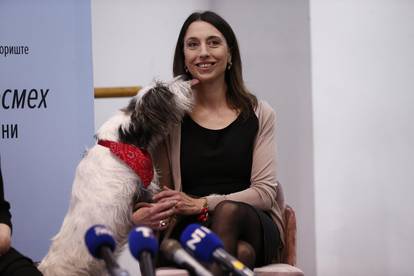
(289, 252)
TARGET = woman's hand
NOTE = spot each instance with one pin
(186, 205)
(5, 238)
(154, 215)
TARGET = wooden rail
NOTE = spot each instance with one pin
(115, 92)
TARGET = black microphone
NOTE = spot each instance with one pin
(100, 243)
(174, 252)
(207, 247)
(143, 246)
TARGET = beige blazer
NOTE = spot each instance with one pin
(263, 192)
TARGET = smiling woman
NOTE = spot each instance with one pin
(218, 166)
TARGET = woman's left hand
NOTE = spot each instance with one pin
(186, 205)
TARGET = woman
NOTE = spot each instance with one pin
(219, 164)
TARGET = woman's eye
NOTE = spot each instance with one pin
(214, 43)
(191, 45)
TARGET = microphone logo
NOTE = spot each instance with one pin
(197, 236)
(145, 231)
(102, 230)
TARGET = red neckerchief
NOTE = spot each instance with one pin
(137, 159)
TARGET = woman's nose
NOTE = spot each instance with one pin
(204, 50)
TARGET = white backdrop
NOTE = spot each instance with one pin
(46, 94)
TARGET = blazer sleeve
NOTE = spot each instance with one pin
(263, 189)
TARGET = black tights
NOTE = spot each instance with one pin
(239, 227)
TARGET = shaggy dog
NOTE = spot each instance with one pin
(105, 188)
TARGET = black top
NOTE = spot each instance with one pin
(5, 216)
(217, 161)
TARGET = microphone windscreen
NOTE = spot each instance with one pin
(142, 239)
(98, 236)
(201, 241)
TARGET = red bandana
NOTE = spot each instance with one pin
(137, 159)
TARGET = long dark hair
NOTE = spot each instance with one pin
(238, 96)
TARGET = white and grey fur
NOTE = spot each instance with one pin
(104, 187)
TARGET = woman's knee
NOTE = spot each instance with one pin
(227, 208)
(229, 217)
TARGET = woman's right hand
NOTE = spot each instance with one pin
(185, 205)
(154, 215)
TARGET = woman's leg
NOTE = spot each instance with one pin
(233, 221)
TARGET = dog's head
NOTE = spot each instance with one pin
(155, 110)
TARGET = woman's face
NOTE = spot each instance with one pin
(206, 52)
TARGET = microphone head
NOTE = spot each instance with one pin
(142, 239)
(169, 247)
(98, 236)
(201, 241)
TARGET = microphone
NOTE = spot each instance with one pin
(143, 246)
(207, 247)
(174, 252)
(100, 243)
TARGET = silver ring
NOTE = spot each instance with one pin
(163, 223)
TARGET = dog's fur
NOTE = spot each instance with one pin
(104, 187)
